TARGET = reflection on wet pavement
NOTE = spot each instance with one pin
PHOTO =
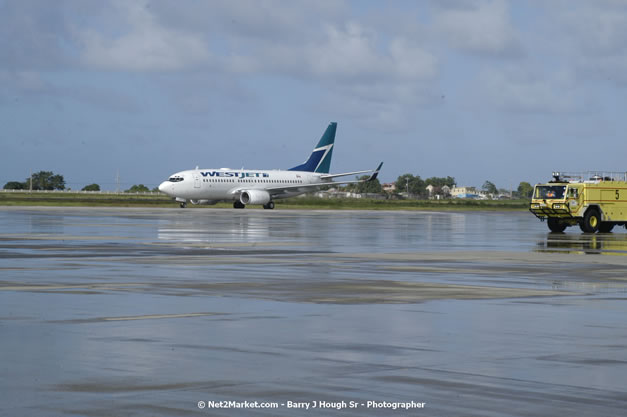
(584, 243)
(146, 312)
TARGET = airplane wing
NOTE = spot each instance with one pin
(344, 174)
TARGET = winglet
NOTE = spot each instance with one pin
(375, 173)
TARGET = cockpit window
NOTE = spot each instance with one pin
(175, 179)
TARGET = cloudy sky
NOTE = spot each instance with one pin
(497, 90)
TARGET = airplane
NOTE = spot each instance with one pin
(243, 187)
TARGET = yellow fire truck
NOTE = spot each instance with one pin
(594, 201)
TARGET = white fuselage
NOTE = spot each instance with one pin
(222, 184)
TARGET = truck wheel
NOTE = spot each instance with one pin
(606, 227)
(591, 221)
(555, 225)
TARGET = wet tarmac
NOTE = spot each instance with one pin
(173, 312)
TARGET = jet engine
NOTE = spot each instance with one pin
(254, 197)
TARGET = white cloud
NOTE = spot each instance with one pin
(411, 61)
(482, 27)
(323, 50)
(251, 20)
(356, 53)
(518, 89)
(594, 35)
(147, 46)
(317, 43)
(348, 51)
(380, 83)
(377, 76)
(597, 27)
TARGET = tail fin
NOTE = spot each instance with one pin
(320, 158)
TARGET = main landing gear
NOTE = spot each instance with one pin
(183, 204)
(238, 205)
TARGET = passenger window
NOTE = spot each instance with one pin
(573, 193)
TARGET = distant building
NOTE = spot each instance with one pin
(464, 192)
(483, 195)
(438, 192)
(389, 187)
(332, 193)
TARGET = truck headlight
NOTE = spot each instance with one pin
(535, 206)
(557, 206)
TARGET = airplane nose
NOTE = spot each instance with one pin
(163, 187)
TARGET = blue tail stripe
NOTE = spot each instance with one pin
(325, 165)
(315, 162)
(312, 162)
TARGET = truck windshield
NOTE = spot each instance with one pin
(550, 191)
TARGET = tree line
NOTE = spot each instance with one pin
(415, 186)
(49, 181)
(42, 180)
